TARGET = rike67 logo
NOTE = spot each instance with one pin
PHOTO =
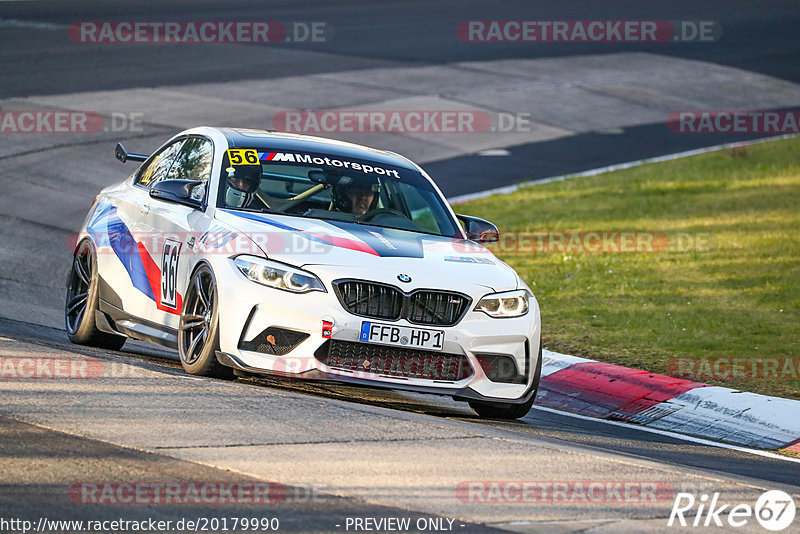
(774, 510)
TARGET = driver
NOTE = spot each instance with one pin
(243, 182)
(356, 195)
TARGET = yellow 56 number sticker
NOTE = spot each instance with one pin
(243, 156)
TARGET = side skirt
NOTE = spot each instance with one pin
(112, 319)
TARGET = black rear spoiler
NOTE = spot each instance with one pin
(123, 155)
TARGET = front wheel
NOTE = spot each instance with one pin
(81, 303)
(198, 331)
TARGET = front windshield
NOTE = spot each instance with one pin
(332, 187)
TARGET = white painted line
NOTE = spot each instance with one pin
(684, 437)
(494, 152)
(14, 23)
(602, 170)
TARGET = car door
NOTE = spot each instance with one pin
(133, 233)
(176, 229)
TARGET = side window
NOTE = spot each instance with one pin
(194, 163)
(158, 167)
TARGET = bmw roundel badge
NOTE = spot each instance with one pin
(404, 278)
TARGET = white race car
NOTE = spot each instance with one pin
(255, 252)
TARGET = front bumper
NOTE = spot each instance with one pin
(247, 310)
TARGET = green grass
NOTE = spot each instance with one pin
(739, 296)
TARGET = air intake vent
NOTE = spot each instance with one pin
(394, 361)
(274, 340)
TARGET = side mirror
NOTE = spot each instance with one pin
(178, 191)
(123, 155)
(479, 230)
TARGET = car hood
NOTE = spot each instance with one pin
(338, 249)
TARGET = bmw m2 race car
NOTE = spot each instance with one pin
(262, 253)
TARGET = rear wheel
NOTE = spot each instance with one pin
(499, 410)
(198, 332)
(81, 303)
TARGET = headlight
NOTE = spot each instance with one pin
(278, 275)
(508, 304)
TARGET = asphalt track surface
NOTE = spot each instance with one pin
(367, 453)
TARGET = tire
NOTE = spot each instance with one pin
(198, 331)
(82, 299)
(500, 410)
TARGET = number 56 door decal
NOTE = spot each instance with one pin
(169, 273)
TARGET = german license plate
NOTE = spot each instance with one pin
(401, 336)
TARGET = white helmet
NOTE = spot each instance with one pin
(243, 181)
